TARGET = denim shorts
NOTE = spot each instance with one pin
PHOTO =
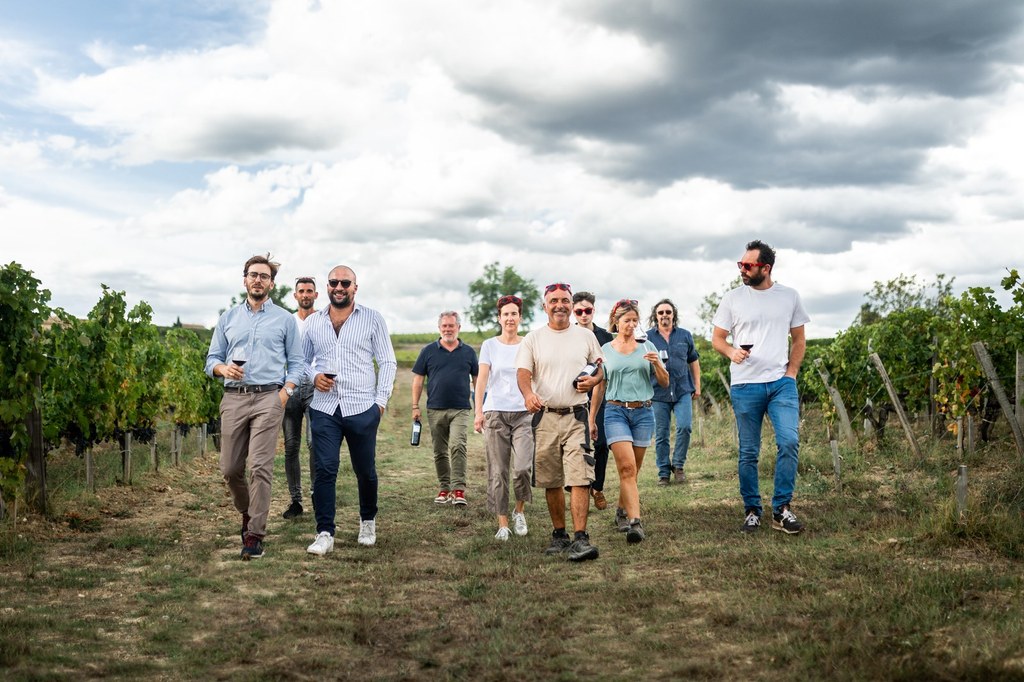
(624, 424)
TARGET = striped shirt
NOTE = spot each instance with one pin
(350, 354)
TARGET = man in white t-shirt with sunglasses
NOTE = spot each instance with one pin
(762, 317)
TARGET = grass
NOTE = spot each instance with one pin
(144, 580)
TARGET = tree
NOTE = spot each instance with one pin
(278, 294)
(903, 293)
(709, 306)
(495, 283)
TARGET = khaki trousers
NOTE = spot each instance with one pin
(249, 424)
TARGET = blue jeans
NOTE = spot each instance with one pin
(751, 402)
(683, 411)
(360, 430)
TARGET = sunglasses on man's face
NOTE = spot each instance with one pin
(584, 311)
(664, 312)
(342, 283)
(747, 267)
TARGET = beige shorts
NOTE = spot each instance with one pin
(562, 443)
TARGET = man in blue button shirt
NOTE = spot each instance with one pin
(255, 348)
(679, 354)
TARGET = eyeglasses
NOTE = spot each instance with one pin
(342, 283)
(557, 285)
(261, 276)
(664, 312)
(584, 311)
(746, 267)
(505, 300)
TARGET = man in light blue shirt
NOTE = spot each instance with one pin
(255, 348)
(341, 344)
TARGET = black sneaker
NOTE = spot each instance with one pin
(581, 549)
(785, 520)
(559, 545)
(621, 520)
(752, 523)
(635, 533)
(252, 547)
(245, 525)
(294, 510)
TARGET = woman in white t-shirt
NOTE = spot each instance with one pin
(502, 416)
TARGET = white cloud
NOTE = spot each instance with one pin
(393, 138)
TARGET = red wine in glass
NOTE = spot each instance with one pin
(746, 346)
(330, 375)
(240, 357)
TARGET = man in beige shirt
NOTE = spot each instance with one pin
(547, 367)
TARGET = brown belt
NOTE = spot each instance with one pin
(631, 405)
(250, 388)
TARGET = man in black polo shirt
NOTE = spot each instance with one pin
(450, 367)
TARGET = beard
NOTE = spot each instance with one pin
(342, 301)
(753, 280)
(257, 295)
(306, 304)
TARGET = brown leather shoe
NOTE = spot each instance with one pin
(679, 475)
(599, 501)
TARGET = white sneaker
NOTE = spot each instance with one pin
(323, 544)
(519, 521)
(368, 532)
(503, 534)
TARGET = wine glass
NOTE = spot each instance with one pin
(240, 356)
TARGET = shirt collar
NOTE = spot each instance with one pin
(263, 307)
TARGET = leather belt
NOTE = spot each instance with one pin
(565, 410)
(631, 405)
(250, 388)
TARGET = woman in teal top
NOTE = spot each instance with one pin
(628, 416)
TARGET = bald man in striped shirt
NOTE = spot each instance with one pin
(341, 343)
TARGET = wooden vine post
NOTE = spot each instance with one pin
(35, 474)
(900, 412)
(961, 493)
(725, 382)
(837, 400)
(997, 387)
(90, 471)
(1019, 390)
(126, 460)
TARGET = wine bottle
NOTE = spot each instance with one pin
(416, 428)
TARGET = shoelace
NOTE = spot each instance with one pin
(753, 520)
(788, 515)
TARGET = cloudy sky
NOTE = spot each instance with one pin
(630, 148)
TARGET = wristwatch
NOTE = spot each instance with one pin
(289, 390)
